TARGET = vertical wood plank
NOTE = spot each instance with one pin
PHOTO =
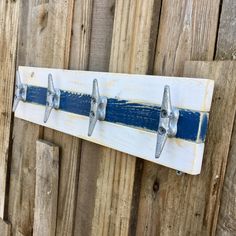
(5, 228)
(71, 146)
(9, 14)
(219, 135)
(101, 34)
(18, 233)
(81, 34)
(114, 175)
(226, 225)
(99, 54)
(226, 43)
(46, 188)
(187, 31)
(226, 49)
(44, 40)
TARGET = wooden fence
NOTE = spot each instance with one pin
(85, 189)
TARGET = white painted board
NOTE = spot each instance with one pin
(186, 93)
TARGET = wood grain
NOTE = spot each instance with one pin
(44, 40)
(5, 228)
(226, 225)
(219, 134)
(187, 32)
(196, 199)
(99, 54)
(226, 49)
(9, 15)
(101, 34)
(46, 188)
(18, 233)
(71, 146)
(81, 34)
(134, 36)
(226, 43)
(183, 35)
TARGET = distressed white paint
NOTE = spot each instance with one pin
(194, 94)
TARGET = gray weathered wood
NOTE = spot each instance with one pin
(99, 54)
(101, 34)
(114, 176)
(209, 183)
(71, 146)
(187, 32)
(5, 228)
(44, 40)
(46, 189)
(166, 200)
(226, 43)
(226, 225)
(9, 14)
(226, 49)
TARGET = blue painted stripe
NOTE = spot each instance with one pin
(204, 126)
(126, 113)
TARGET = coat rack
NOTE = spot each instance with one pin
(160, 119)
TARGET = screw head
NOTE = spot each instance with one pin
(178, 172)
(93, 99)
(92, 114)
(164, 113)
(162, 130)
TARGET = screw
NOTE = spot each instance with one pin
(179, 173)
(93, 100)
(92, 113)
(162, 130)
(164, 113)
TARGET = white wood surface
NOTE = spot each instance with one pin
(194, 94)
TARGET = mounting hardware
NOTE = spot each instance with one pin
(179, 173)
(20, 92)
(168, 121)
(53, 98)
(98, 108)
(133, 123)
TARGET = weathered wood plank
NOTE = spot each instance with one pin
(198, 197)
(44, 40)
(183, 35)
(71, 146)
(99, 55)
(81, 34)
(187, 32)
(18, 233)
(219, 135)
(46, 188)
(226, 43)
(101, 34)
(9, 15)
(5, 228)
(226, 225)
(134, 34)
(226, 49)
